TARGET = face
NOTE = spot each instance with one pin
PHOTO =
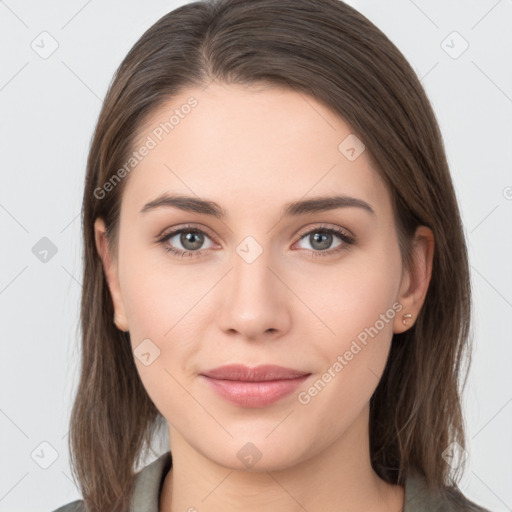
(314, 290)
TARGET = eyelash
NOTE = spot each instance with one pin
(347, 241)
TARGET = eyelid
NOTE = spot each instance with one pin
(192, 227)
(327, 227)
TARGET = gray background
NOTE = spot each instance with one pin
(48, 109)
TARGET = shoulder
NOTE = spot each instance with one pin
(147, 486)
(73, 506)
(419, 498)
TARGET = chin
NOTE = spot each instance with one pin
(256, 453)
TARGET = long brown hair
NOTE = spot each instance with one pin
(326, 49)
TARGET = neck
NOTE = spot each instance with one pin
(340, 478)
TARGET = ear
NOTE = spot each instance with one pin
(111, 274)
(415, 280)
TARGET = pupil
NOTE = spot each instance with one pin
(188, 238)
(325, 243)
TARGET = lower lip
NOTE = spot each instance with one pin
(255, 394)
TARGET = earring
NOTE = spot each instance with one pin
(408, 315)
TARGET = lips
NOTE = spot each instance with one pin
(259, 374)
(254, 387)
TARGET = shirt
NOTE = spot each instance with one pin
(149, 481)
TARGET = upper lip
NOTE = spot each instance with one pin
(242, 373)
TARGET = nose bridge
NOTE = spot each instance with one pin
(253, 298)
(251, 279)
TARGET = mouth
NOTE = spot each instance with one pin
(254, 387)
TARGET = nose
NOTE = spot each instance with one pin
(255, 301)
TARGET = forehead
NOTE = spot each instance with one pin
(252, 144)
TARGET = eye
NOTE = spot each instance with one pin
(321, 239)
(190, 238)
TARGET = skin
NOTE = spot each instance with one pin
(253, 149)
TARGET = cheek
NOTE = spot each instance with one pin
(158, 295)
(160, 302)
(351, 297)
(356, 309)
(359, 306)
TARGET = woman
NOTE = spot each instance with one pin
(274, 271)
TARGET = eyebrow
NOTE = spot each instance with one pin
(292, 209)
